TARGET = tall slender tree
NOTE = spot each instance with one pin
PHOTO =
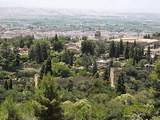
(121, 84)
(112, 49)
(149, 54)
(48, 66)
(126, 51)
(121, 47)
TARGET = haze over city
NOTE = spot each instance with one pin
(110, 5)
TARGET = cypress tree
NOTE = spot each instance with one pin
(149, 54)
(126, 52)
(38, 56)
(117, 50)
(131, 52)
(6, 85)
(121, 49)
(135, 44)
(48, 66)
(10, 86)
(112, 49)
(120, 84)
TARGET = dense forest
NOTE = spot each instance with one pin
(44, 80)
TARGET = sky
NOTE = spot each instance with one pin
(110, 5)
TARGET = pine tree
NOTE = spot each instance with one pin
(49, 99)
(120, 84)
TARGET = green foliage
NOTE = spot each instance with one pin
(61, 70)
(9, 110)
(120, 84)
(68, 57)
(56, 44)
(112, 49)
(126, 51)
(88, 47)
(80, 110)
(48, 106)
(39, 51)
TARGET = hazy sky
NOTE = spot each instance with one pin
(111, 5)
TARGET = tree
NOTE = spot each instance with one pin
(86, 60)
(10, 86)
(67, 57)
(17, 60)
(131, 51)
(121, 49)
(44, 51)
(117, 50)
(6, 85)
(120, 84)
(126, 51)
(49, 99)
(48, 66)
(137, 55)
(21, 43)
(134, 44)
(39, 52)
(29, 40)
(57, 45)
(149, 54)
(88, 47)
(7, 56)
(112, 49)
(38, 55)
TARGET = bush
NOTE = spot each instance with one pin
(61, 70)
